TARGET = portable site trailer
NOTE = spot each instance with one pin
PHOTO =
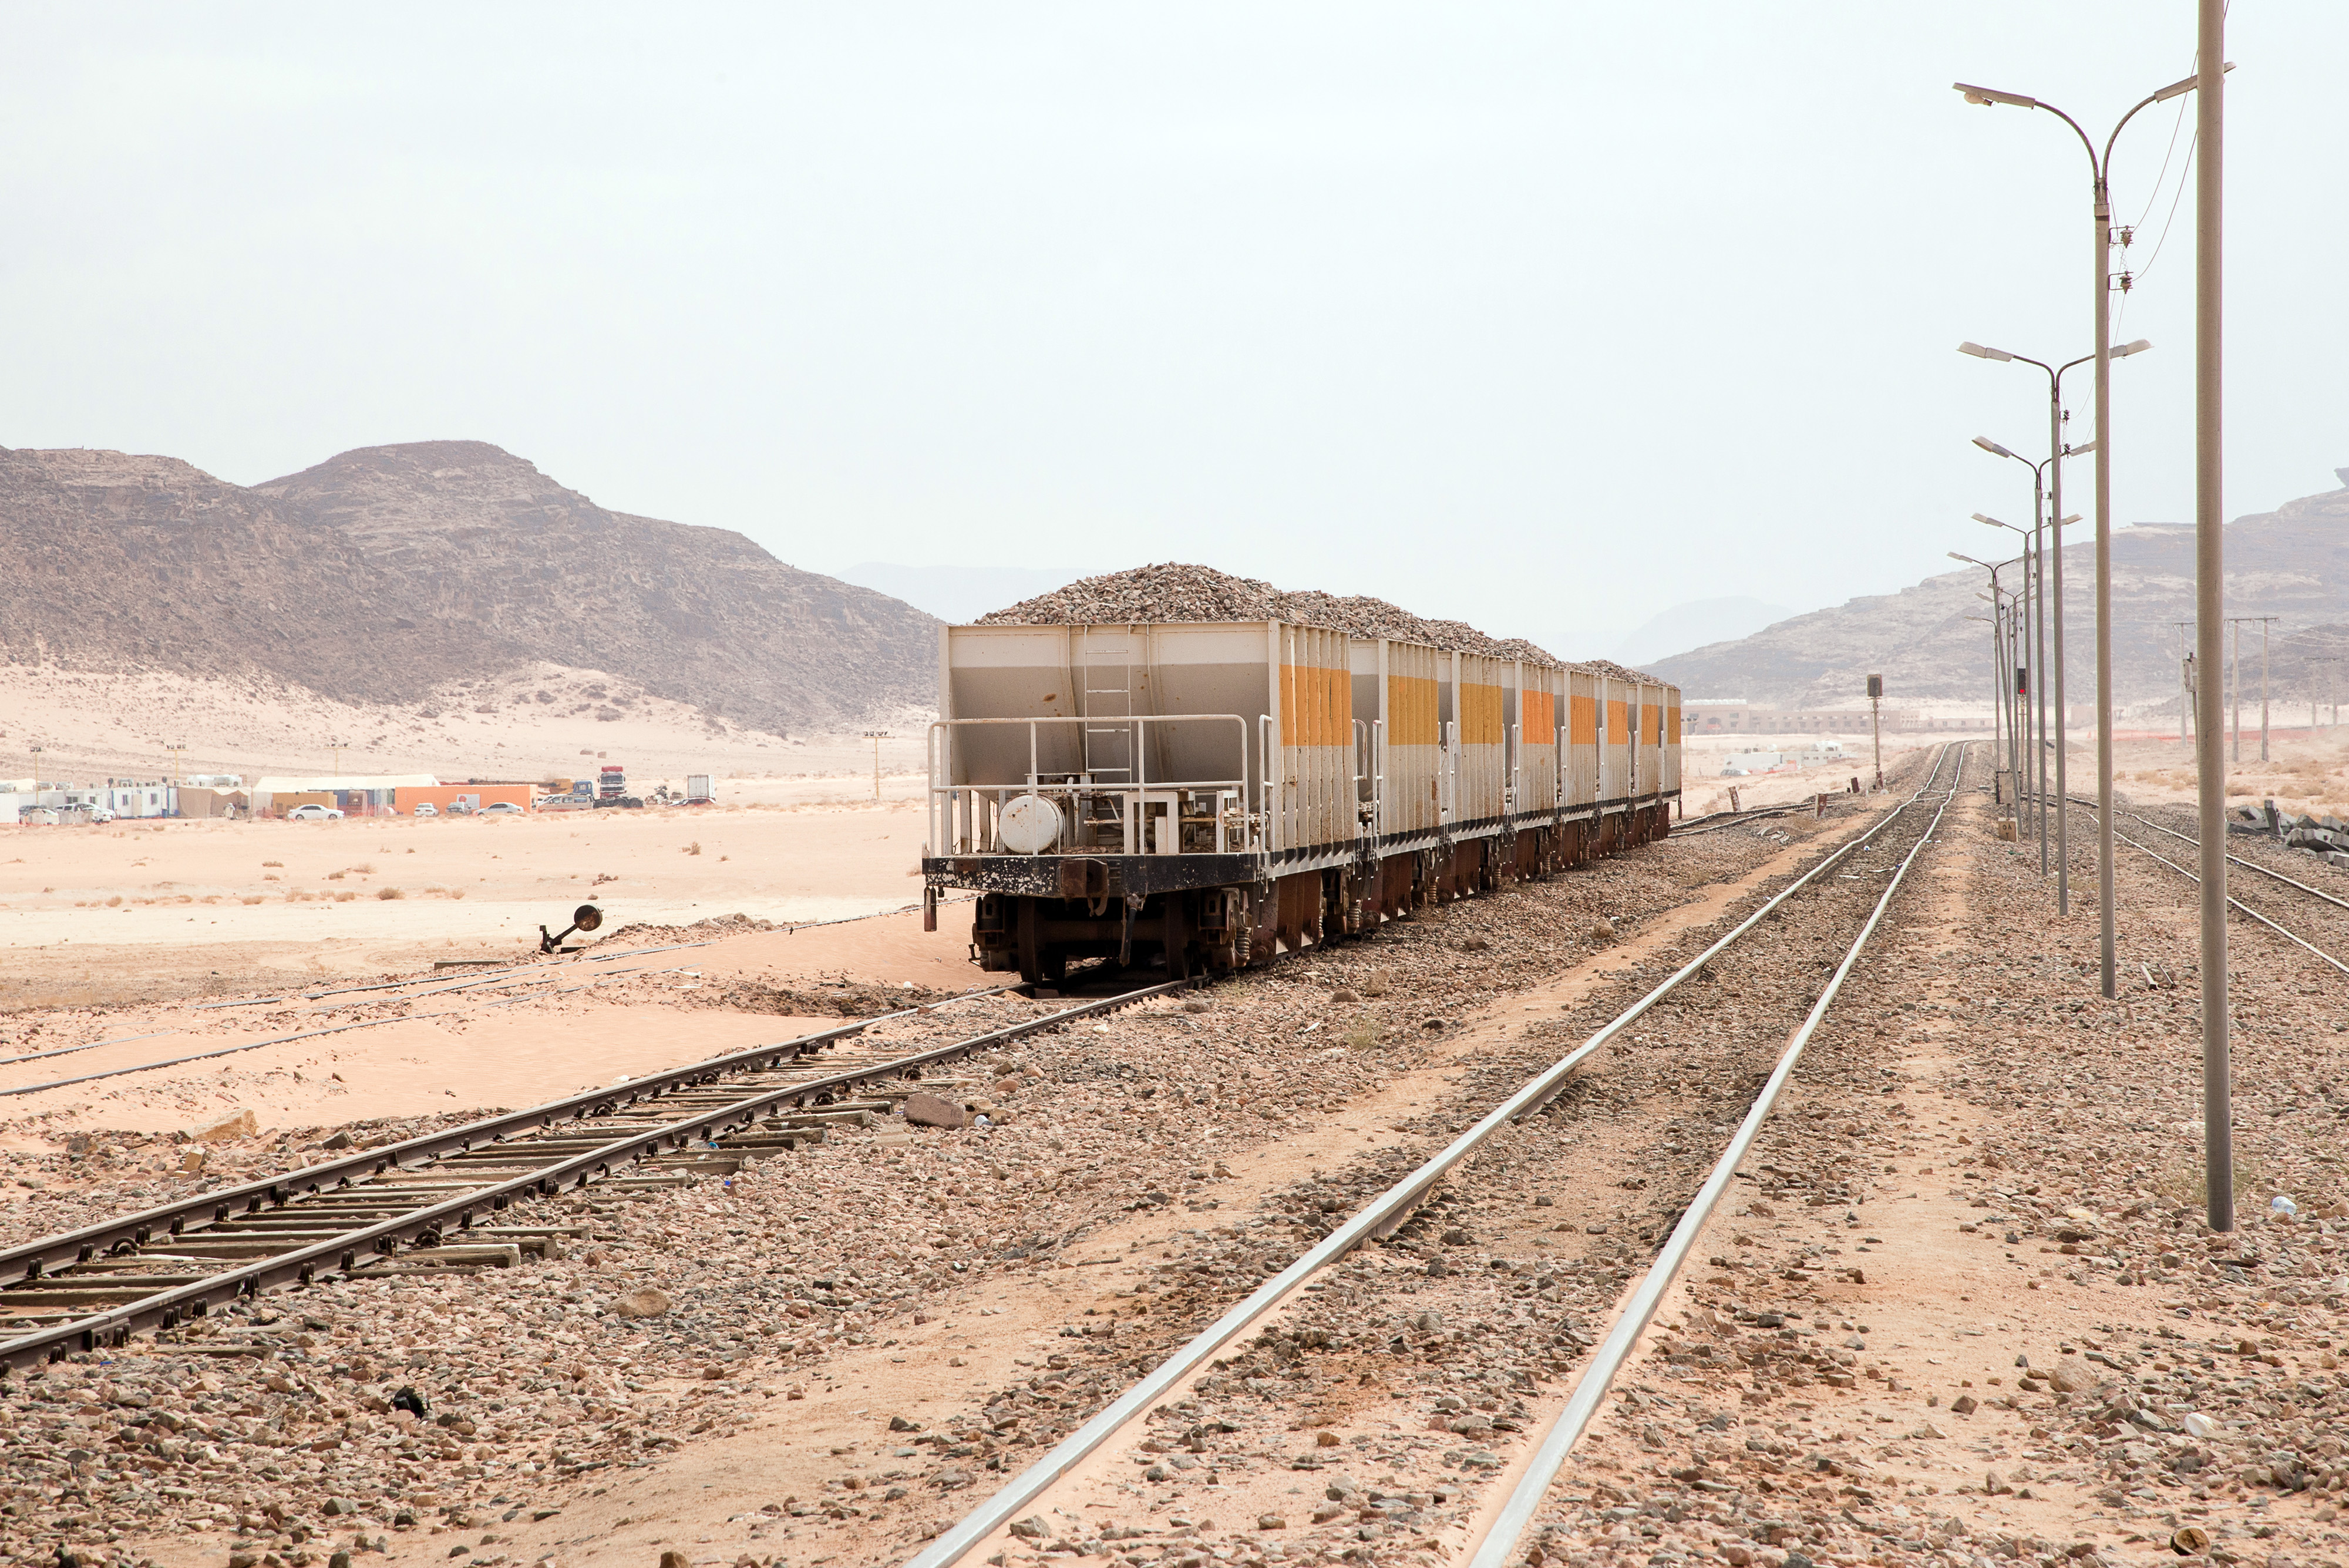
(1206, 794)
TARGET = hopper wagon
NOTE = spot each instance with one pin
(1203, 796)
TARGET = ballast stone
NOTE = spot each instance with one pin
(228, 1128)
(929, 1111)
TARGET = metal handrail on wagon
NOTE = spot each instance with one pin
(957, 823)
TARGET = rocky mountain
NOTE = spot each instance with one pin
(383, 572)
(2292, 562)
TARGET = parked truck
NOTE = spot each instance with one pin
(612, 788)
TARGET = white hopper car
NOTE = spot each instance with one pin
(1201, 796)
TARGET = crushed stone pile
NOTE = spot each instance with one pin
(1181, 591)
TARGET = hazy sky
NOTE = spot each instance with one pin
(1548, 316)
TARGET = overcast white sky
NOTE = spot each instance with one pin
(1547, 315)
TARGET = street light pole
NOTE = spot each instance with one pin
(2058, 451)
(2209, 602)
(2019, 662)
(2099, 172)
(1997, 650)
(2029, 695)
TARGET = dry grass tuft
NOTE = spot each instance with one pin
(395, 893)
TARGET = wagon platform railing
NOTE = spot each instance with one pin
(1142, 815)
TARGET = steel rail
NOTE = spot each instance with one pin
(2231, 860)
(2287, 934)
(1500, 1541)
(166, 1308)
(208, 1055)
(92, 1045)
(1366, 1224)
(30, 1260)
(2247, 865)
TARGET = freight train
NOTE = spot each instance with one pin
(1201, 796)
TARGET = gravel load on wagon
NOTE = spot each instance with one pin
(1178, 591)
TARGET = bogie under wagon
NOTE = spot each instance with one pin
(1201, 796)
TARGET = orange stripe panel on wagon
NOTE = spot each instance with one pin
(1582, 721)
(1537, 719)
(1317, 706)
(1410, 710)
(1481, 710)
(1618, 723)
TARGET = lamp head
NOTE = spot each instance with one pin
(1986, 96)
(1991, 447)
(2083, 450)
(1979, 352)
(2126, 349)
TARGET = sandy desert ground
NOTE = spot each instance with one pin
(134, 911)
(95, 725)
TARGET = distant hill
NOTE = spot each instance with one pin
(384, 571)
(2292, 562)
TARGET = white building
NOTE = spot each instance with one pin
(138, 797)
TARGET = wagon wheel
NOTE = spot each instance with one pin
(1176, 927)
(1031, 958)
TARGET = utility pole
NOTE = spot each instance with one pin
(2210, 603)
(876, 737)
(36, 772)
(1875, 721)
(2185, 677)
(2235, 686)
(2236, 625)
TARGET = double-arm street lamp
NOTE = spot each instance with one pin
(2004, 709)
(2101, 212)
(2053, 469)
(2024, 696)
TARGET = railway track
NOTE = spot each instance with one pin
(460, 1197)
(2259, 915)
(1713, 1045)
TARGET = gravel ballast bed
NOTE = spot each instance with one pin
(769, 1274)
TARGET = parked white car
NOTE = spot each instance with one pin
(312, 812)
(501, 808)
(425, 808)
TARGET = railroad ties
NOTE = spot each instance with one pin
(445, 1201)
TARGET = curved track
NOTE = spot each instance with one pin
(1883, 854)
